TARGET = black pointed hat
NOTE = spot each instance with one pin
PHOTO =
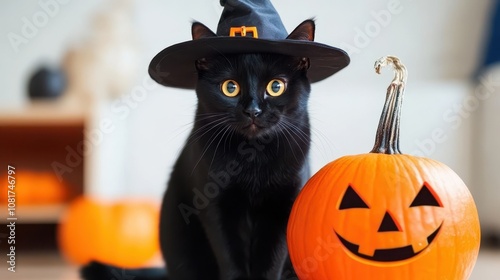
(245, 26)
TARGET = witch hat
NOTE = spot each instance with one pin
(245, 26)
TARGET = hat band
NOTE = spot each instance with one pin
(243, 30)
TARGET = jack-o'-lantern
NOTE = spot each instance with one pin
(384, 215)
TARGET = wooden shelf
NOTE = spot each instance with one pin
(34, 136)
(34, 214)
(50, 112)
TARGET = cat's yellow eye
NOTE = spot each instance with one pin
(230, 88)
(276, 87)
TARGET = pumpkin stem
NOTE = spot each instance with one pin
(387, 138)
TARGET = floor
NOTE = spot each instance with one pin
(52, 267)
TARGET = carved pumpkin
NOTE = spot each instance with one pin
(123, 234)
(384, 215)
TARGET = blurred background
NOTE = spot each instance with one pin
(79, 115)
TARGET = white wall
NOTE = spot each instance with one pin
(436, 39)
(439, 41)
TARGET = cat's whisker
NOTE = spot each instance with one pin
(184, 127)
(284, 129)
(208, 117)
(190, 140)
(277, 140)
(217, 147)
(292, 147)
(193, 140)
(326, 143)
(207, 146)
(301, 135)
(211, 114)
(187, 127)
(179, 131)
(323, 145)
(217, 122)
(289, 129)
(233, 130)
(304, 137)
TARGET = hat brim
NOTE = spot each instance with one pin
(175, 65)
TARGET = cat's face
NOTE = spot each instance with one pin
(253, 94)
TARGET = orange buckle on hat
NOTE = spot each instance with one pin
(243, 30)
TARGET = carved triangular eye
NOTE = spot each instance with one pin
(426, 197)
(352, 200)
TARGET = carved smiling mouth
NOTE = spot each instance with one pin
(388, 255)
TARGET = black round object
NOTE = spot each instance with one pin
(47, 83)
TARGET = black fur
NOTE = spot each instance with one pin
(226, 208)
(98, 271)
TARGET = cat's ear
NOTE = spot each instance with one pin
(305, 31)
(198, 31)
(202, 64)
(303, 63)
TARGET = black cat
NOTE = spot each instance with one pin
(226, 208)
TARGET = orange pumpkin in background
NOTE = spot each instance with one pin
(78, 230)
(123, 234)
(384, 215)
(36, 188)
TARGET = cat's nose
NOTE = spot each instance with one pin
(253, 112)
